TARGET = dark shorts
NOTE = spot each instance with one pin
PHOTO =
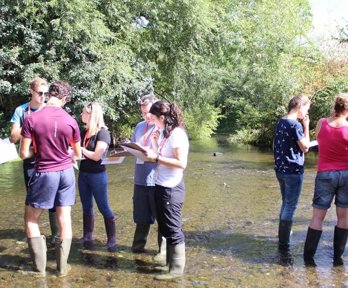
(49, 189)
(330, 184)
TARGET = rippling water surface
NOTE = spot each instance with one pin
(230, 223)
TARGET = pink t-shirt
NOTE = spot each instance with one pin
(333, 147)
(51, 130)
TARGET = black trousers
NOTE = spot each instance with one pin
(169, 202)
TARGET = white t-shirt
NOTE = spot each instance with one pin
(168, 176)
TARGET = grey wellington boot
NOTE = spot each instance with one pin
(38, 249)
(176, 264)
(62, 254)
(164, 266)
(160, 257)
(52, 216)
(140, 238)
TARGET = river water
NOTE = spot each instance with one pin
(230, 222)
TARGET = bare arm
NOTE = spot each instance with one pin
(304, 142)
(180, 160)
(317, 128)
(76, 146)
(15, 133)
(98, 152)
(24, 148)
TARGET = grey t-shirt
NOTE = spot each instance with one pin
(144, 172)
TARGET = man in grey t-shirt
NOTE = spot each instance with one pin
(144, 209)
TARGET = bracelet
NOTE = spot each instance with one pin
(157, 158)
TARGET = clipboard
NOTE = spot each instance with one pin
(134, 146)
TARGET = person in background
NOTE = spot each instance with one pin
(291, 141)
(170, 152)
(51, 130)
(93, 177)
(331, 181)
(38, 90)
(144, 209)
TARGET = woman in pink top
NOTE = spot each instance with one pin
(331, 181)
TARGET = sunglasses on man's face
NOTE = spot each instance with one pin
(40, 93)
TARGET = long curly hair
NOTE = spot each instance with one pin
(172, 115)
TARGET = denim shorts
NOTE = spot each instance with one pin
(330, 184)
(50, 189)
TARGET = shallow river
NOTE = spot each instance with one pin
(230, 223)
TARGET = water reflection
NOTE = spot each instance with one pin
(230, 222)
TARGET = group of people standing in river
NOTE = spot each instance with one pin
(291, 141)
(50, 141)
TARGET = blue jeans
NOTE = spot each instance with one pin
(94, 185)
(290, 188)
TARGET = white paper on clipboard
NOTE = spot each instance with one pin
(138, 154)
(112, 160)
(313, 143)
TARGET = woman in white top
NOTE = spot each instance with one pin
(170, 152)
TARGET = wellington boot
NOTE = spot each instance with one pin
(160, 257)
(284, 231)
(62, 254)
(340, 240)
(176, 262)
(285, 258)
(110, 227)
(52, 216)
(140, 238)
(38, 249)
(311, 245)
(88, 228)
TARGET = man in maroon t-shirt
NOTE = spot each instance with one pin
(51, 130)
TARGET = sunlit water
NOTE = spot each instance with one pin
(230, 222)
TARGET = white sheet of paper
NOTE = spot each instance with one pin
(8, 151)
(112, 160)
(136, 153)
(313, 143)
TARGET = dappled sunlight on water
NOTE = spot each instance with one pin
(230, 223)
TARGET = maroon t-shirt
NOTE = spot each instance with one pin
(51, 130)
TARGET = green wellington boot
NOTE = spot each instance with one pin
(160, 257)
(38, 249)
(176, 262)
(62, 254)
(52, 216)
(140, 238)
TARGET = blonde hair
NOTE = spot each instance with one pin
(38, 82)
(96, 121)
(297, 101)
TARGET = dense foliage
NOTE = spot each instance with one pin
(231, 65)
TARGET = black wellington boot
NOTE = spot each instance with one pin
(340, 240)
(284, 231)
(311, 245)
